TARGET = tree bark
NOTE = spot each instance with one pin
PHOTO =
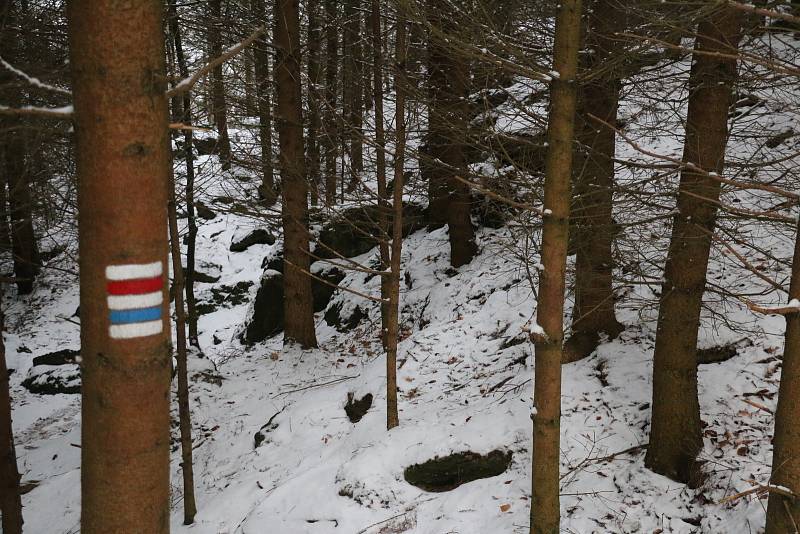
(783, 514)
(23, 237)
(353, 96)
(675, 433)
(548, 336)
(184, 413)
(393, 316)
(298, 305)
(188, 141)
(331, 133)
(123, 163)
(314, 87)
(219, 101)
(447, 127)
(594, 226)
(11, 504)
(261, 56)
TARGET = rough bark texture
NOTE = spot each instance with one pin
(184, 413)
(219, 102)
(261, 57)
(298, 302)
(393, 317)
(330, 137)
(783, 514)
(447, 127)
(550, 311)
(123, 162)
(675, 433)
(594, 226)
(10, 500)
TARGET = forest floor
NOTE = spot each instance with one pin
(465, 378)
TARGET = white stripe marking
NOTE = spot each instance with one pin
(128, 331)
(134, 271)
(133, 302)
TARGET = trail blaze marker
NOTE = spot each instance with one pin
(135, 297)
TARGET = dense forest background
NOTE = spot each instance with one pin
(390, 222)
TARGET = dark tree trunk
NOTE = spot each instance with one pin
(123, 167)
(783, 514)
(314, 96)
(353, 93)
(261, 56)
(11, 503)
(447, 130)
(594, 226)
(219, 100)
(548, 338)
(188, 141)
(298, 305)
(675, 434)
(23, 238)
(331, 133)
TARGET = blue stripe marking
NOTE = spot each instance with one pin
(135, 316)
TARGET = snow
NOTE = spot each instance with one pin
(465, 382)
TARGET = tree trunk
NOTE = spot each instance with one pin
(123, 164)
(447, 127)
(380, 161)
(594, 226)
(184, 413)
(393, 316)
(331, 134)
(314, 86)
(548, 336)
(261, 57)
(783, 514)
(219, 101)
(353, 94)
(188, 141)
(298, 305)
(675, 434)
(11, 504)
(23, 238)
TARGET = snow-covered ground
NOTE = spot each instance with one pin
(465, 372)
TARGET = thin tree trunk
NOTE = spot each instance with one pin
(392, 328)
(184, 413)
(249, 83)
(11, 504)
(298, 305)
(188, 141)
(675, 433)
(548, 336)
(123, 164)
(263, 95)
(219, 101)
(380, 160)
(783, 514)
(331, 134)
(594, 226)
(314, 87)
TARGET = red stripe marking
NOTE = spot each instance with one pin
(135, 287)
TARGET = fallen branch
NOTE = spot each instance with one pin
(64, 112)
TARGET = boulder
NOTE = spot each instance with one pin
(266, 316)
(356, 231)
(204, 212)
(55, 373)
(259, 236)
(322, 292)
(344, 318)
(225, 296)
